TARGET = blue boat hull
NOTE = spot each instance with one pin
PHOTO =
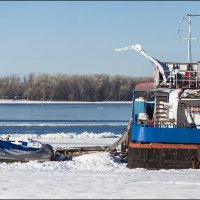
(147, 134)
(10, 152)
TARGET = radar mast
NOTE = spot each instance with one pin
(189, 37)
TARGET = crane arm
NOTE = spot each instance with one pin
(158, 64)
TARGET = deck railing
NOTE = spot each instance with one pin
(167, 125)
(188, 79)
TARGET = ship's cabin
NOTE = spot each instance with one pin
(165, 106)
(173, 97)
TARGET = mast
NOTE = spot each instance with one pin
(189, 38)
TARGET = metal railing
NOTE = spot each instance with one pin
(167, 125)
(188, 79)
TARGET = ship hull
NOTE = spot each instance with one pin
(163, 156)
(163, 146)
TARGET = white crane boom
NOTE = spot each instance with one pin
(138, 48)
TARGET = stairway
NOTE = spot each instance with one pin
(122, 139)
(161, 111)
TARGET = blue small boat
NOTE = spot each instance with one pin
(24, 151)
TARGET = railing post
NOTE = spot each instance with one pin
(189, 78)
(196, 81)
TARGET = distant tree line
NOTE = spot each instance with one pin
(62, 87)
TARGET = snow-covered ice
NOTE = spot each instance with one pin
(93, 176)
(24, 101)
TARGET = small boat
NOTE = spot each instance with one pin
(24, 151)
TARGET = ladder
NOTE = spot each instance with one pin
(161, 110)
(121, 140)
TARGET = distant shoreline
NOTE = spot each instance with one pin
(12, 101)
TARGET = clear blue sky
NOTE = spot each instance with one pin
(80, 37)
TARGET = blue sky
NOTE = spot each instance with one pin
(80, 37)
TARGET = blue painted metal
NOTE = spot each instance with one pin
(4, 144)
(147, 134)
(138, 108)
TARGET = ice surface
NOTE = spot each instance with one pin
(16, 101)
(94, 176)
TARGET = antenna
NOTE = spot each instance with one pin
(189, 38)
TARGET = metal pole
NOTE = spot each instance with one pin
(189, 39)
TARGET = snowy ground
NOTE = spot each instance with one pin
(93, 176)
